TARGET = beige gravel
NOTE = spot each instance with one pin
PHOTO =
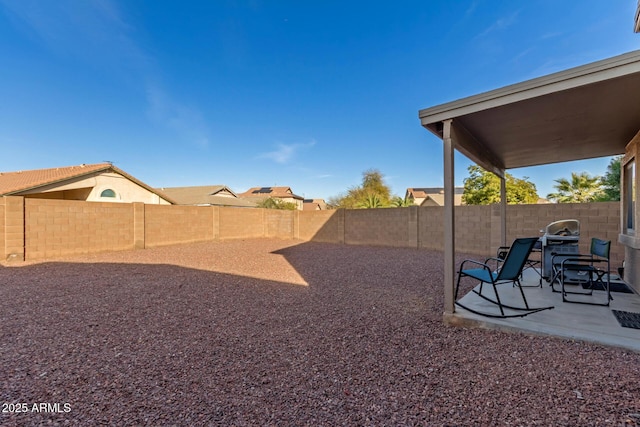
(272, 332)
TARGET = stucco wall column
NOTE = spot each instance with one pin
(630, 238)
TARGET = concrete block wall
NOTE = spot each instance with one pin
(386, 227)
(279, 223)
(477, 227)
(600, 220)
(54, 228)
(321, 226)
(431, 227)
(241, 223)
(474, 229)
(168, 224)
(38, 228)
(14, 228)
(2, 232)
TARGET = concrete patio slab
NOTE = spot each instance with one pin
(568, 320)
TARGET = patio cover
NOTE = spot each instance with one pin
(581, 113)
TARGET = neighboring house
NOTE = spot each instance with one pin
(100, 182)
(432, 196)
(258, 194)
(206, 195)
(314, 205)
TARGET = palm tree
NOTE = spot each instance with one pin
(582, 188)
(371, 201)
(399, 202)
(611, 180)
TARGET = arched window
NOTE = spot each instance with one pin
(108, 193)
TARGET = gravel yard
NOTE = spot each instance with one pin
(274, 332)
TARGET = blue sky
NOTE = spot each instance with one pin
(307, 94)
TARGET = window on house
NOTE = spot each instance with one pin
(108, 193)
(630, 196)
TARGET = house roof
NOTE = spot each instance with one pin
(313, 204)
(14, 183)
(266, 192)
(430, 191)
(580, 113)
(438, 199)
(216, 195)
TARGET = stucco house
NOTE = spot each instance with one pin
(432, 196)
(314, 205)
(100, 182)
(258, 194)
(206, 195)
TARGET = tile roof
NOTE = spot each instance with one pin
(265, 192)
(313, 204)
(216, 195)
(12, 183)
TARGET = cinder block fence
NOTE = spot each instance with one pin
(33, 229)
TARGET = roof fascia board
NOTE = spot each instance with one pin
(471, 147)
(224, 188)
(595, 72)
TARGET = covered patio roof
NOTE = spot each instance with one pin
(581, 113)
(584, 112)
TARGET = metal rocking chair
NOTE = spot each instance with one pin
(510, 271)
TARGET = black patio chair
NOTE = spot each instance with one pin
(509, 271)
(583, 270)
(534, 263)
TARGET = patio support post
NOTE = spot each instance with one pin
(503, 210)
(449, 220)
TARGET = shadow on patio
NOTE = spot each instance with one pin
(566, 320)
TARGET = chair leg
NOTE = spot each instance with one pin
(495, 290)
(526, 304)
(590, 293)
(555, 277)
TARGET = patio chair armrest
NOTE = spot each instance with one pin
(565, 256)
(495, 259)
(478, 263)
(581, 259)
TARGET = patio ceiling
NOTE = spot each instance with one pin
(584, 112)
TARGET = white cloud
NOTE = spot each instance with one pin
(286, 152)
(501, 24)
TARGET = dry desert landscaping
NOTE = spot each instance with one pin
(281, 332)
